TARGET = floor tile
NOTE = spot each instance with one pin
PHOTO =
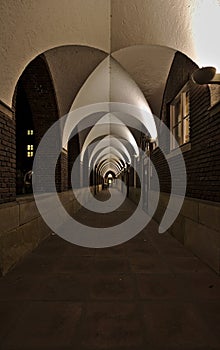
(46, 324)
(75, 264)
(161, 286)
(106, 265)
(140, 247)
(112, 287)
(59, 286)
(10, 313)
(148, 264)
(176, 325)
(118, 250)
(180, 264)
(112, 326)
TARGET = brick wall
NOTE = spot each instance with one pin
(203, 160)
(7, 158)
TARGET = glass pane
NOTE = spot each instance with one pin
(177, 132)
(180, 139)
(186, 130)
(177, 112)
(187, 103)
(185, 99)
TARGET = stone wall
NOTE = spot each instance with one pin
(22, 228)
(197, 227)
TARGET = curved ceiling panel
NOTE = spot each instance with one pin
(29, 28)
(110, 141)
(70, 66)
(104, 127)
(112, 165)
(108, 153)
(113, 161)
(149, 66)
(109, 82)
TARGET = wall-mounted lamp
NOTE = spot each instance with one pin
(206, 75)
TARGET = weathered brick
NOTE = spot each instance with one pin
(202, 161)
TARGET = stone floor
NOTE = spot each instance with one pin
(148, 293)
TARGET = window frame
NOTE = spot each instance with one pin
(177, 121)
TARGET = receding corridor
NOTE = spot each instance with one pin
(148, 293)
(109, 175)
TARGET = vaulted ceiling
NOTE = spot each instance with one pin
(29, 28)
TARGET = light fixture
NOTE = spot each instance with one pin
(206, 75)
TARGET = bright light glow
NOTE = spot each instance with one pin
(30, 154)
(205, 26)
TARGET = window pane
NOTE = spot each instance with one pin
(180, 138)
(179, 118)
(187, 103)
(176, 134)
(185, 99)
(186, 130)
(30, 154)
(177, 112)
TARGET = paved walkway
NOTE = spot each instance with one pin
(148, 293)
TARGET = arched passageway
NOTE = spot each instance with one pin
(116, 79)
(144, 159)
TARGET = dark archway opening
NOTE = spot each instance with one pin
(35, 112)
(25, 142)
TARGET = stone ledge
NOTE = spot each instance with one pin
(209, 215)
(197, 226)
(22, 228)
(204, 242)
(9, 217)
(28, 211)
(17, 243)
(5, 109)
